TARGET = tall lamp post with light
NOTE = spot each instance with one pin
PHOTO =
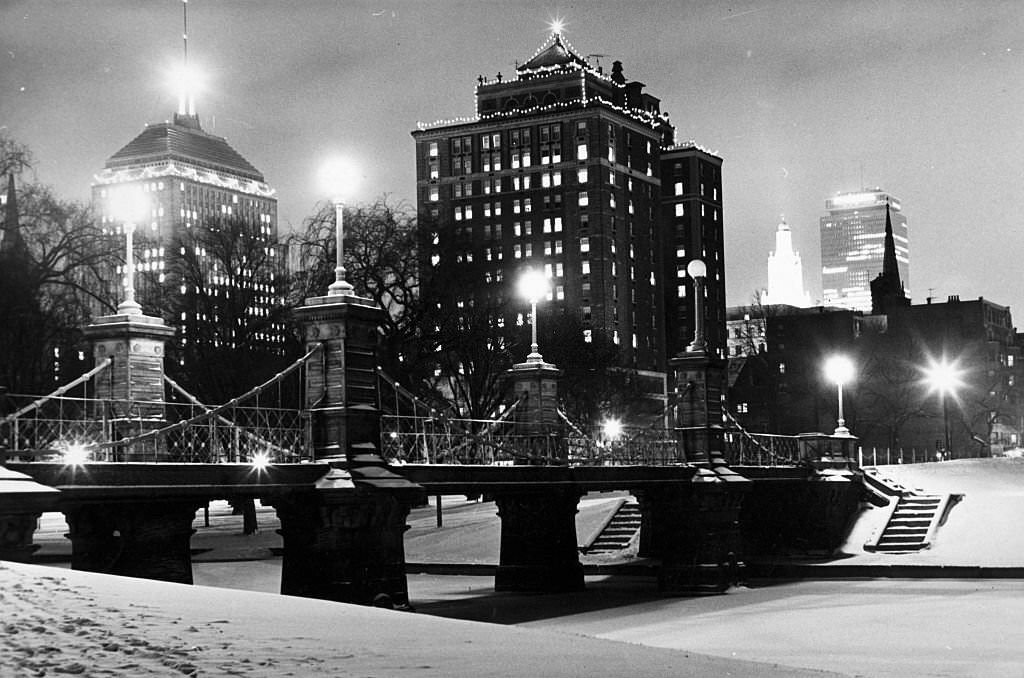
(132, 341)
(129, 205)
(339, 177)
(839, 370)
(944, 377)
(534, 286)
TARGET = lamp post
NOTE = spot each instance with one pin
(944, 377)
(338, 176)
(839, 370)
(129, 206)
(533, 286)
(698, 271)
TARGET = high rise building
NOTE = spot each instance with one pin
(575, 171)
(785, 272)
(853, 245)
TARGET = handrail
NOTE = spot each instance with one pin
(215, 412)
(59, 392)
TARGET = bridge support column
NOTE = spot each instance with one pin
(345, 544)
(149, 540)
(695, 531)
(535, 387)
(22, 501)
(133, 385)
(701, 384)
(538, 541)
(341, 382)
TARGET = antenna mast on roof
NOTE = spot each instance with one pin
(186, 97)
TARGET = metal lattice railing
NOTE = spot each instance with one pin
(186, 430)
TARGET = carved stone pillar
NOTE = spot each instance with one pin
(701, 381)
(345, 545)
(149, 540)
(695, 530)
(538, 541)
(341, 383)
(132, 388)
(535, 387)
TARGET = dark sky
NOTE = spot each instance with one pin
(801, 98)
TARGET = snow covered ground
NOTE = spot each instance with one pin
(58, 621)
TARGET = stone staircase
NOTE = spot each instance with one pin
(914, 516)
(618, 531)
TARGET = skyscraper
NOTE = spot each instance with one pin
(575, 171)
(853, 246)
(785, 272)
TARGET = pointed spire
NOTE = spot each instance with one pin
(887, 289)
(890, 268)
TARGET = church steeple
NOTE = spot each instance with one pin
(887, 289)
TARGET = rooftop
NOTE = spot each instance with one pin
(183, 140)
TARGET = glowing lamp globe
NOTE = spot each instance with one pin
(943, 377)
(533, 285)
(338, 178)
(129, 204)
(839, 369)
(697, 269)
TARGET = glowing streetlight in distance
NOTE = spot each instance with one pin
(260, 461)
(74, 454)
(338, 178)
(611, 428)
(839, 370)
(944, 377)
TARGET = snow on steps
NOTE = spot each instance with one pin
(914, 517)
(618, 531)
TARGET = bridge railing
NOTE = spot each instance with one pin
(438, 440)
(92, 429)
(762, 449)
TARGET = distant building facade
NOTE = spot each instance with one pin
(852, 246)
(785, 272)
(576, 172)
(193, 180)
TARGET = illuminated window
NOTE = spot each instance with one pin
(581, 175)
(584, 199)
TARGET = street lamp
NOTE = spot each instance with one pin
(339, 177)
(698, 271)
(534, 286)
(839, 369)
(128, 204)
(944, 377)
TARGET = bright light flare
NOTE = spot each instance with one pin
(944, 377)
(611, 428)
(260, 461)
(185, 80)
(73, 454)
(129, 204)
(534, 285)
(339, 178)
(839, 369)
(557, 25)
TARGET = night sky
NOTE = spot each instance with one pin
(801, 99)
